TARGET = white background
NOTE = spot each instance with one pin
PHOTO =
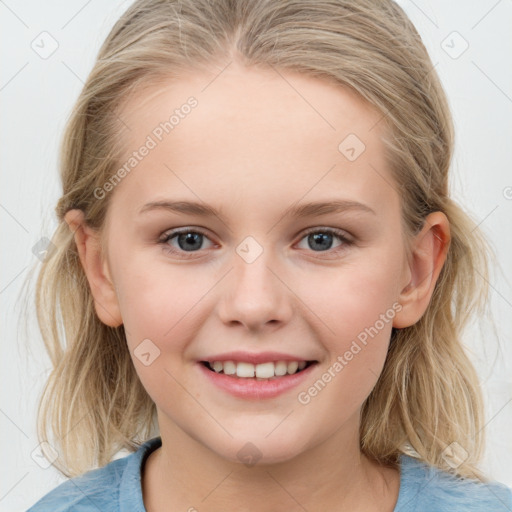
(37, 95)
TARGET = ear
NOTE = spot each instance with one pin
(95, 267)
(428, 254)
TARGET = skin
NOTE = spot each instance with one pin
(252, 147)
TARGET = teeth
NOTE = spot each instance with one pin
(260, 371)
(265, 370)
(280, 368)
(292, 367)
(217, 366)
(229, 367)
(244, 369)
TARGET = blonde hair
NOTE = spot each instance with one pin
(428, 394)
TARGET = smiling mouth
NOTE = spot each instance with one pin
(264, 371)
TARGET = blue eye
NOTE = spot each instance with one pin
(322, 238)
(189, 241)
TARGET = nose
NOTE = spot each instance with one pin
(255, 295)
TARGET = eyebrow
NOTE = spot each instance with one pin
(311, 209)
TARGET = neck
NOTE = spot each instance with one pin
(334, 475)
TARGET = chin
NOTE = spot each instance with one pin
(251, 450)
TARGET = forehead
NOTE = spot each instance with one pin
(265, 99)
(268, 134)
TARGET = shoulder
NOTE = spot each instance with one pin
(427, 488)
(97, 488)
(104, 489)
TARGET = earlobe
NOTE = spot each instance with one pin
(96, 268)
(428, 255)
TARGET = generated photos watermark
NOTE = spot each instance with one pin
(305, 396)
(152, 140)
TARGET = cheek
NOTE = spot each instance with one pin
(163, 310)
(355, 306)
(354, 296)
(156, 300)
(356, 310)
(157, 308)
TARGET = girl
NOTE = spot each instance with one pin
(260, 274)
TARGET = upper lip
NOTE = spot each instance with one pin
(255, 358)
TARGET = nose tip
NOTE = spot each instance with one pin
(253, 296)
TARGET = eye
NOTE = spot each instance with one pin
(187, 240)
(322, 239)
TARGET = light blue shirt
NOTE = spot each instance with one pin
(117, 488)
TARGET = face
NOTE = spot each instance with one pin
(256, 281)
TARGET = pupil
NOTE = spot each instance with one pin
(321, 240)
(189, 239)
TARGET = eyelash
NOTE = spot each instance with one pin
(189, 254)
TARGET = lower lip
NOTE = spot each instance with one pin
(256, 389)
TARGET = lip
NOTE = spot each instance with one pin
(252, 389)
(254, 358)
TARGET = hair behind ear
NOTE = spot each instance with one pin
(428, 395)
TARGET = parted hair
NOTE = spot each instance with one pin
(428, 395)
